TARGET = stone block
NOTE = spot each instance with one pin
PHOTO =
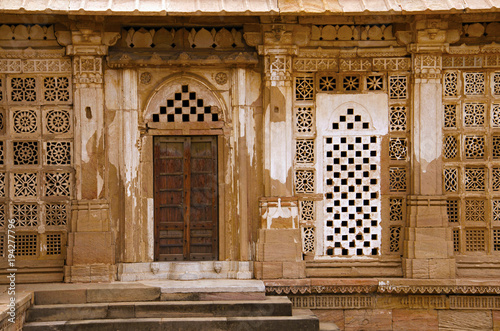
(496, 320)
(60, 297)
(294, 270)
(431, 234)
(281, 252)
(331, 315)
(442, 268)
(272, 270)
(414, 319)
(91, 220)
(93, 248)
(465, 320)
(121, 310)
(280, 235)
(123, 294)
(417, 268)
(430, 249)
(368, 319)
(80, 274)
(101, 273)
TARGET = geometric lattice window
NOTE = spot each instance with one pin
(304, 181)
(450, 116)
(2, 184)
(398, 87)
(308, 237)
(304, 88)
(495, 147)
(352, 203)
(2, 153)
(496, 83)
(58, 153)
(451, 179)
(451, 84)
(54, 243)
(327, 83)
(2, 245)
(25, 184)
(304, 119)
(25, 121)
(25, 152)
(474, 114)
(56, 88)
(351, 83)
(398, 148)
(474, 147)
(495, 215)
(395, 239)
(2, 215)
(474, 210)
(474, 83)
(57, 184)
(396, 209)
(25, 214)
(456, 240)
(304, 151)
(397, 179)
(1, 92)
(306, 211)
(56, 214)
(26, 244)
(23, 89)
(450, 147)
(475, 240)
(475, 179)
(452, 210)
(185, 106)
(495, 179)
(496, 240)
(397, 119)
(374, 83)
(495, 115)
(58, 121)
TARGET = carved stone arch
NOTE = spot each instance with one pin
(185, 99)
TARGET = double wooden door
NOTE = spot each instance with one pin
(185, 184)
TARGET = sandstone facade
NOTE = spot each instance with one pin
(354, 144)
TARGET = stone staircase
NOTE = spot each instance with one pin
(126, 307)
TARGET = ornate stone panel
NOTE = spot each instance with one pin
(471, 176)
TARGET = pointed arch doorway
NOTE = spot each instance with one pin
(186, 198)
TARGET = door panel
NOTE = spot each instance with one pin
(186, 214)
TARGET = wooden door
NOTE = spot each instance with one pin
(186, 213)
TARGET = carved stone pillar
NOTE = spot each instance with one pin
(429, 243)
(91, 248)
(279, 247)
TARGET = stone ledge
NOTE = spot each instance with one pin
(390, 286)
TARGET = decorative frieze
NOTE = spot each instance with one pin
(183, 38)
(352, 32)
(332, 301)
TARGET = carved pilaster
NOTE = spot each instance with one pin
(428, 241)
(91, 246)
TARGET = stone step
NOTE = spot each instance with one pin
(271, 306)
(261, 323)
(103, 293)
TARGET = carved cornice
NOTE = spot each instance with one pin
(384, 288)
(124, 60)
(30, 53)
